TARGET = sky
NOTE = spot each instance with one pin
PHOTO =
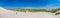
(30, 3)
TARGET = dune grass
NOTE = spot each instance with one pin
(37, 10)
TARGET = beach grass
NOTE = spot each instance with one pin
(37, 10)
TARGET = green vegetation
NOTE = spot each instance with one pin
(57, 13)
(30, 10)
(37, 10)
(53, 10)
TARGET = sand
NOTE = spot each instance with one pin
(13, 14)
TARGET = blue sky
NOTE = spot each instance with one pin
(30, 3)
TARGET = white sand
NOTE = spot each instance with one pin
(27, 15)
(12, 14)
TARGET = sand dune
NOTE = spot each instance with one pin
(4, 13)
